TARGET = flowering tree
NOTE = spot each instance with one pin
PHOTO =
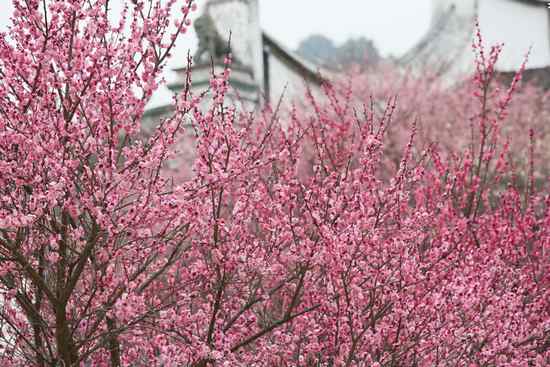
(82, 238)
(291, 245)
(447, 113)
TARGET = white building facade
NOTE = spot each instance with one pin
(521, 25)
(263, 70)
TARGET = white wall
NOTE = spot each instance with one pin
(281, 75)
(516, 24)
(519, 26)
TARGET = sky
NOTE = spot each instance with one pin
(394, 25)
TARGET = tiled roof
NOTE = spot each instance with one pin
(534, 2)
(538, 76)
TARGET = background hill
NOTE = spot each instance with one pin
(322, 50)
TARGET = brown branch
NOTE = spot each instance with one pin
(272, 327)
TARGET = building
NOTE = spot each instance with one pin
(262, 68)
(522, 25)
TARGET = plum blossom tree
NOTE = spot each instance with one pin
(87, 223)
(446, 112)
(291, 245)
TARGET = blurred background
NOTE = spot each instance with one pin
(346, 32)
(392, 26)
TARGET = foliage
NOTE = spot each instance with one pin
(293, 244)
(353, 52)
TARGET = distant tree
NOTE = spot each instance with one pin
(355, 51)
(358, 51)
(317, 48)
